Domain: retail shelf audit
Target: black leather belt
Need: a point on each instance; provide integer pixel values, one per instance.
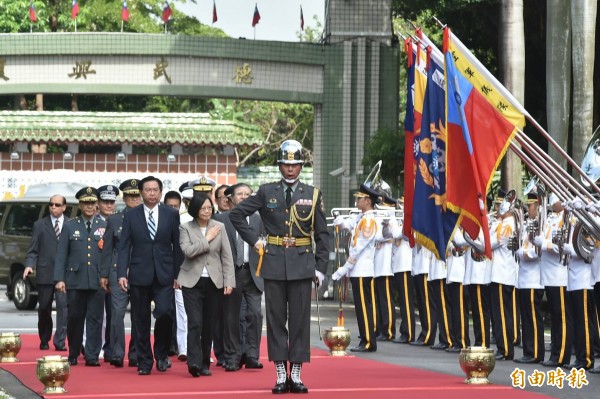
(244, 266)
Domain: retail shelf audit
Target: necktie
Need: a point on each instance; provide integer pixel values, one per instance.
(239, 247)
(151, 225)
(288, 196)
(88, 226)
(56, 228)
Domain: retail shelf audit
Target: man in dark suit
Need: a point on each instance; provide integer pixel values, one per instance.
(40, 258)
(148, 263)
(76, 270)
(293, 216)
(109, 281)
(249, 288)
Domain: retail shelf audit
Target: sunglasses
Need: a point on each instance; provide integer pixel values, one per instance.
(55, 204)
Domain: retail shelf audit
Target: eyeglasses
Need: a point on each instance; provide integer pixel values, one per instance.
(55, 204)
(206, 209)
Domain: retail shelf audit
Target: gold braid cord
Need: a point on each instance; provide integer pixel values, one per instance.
(295, 218)
(367, 230)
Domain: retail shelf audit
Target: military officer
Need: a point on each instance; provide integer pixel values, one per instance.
(76, 270)
(554, 280)
(360, 265)
(457, 295)
(291, 212)
(531, 290)
(109, 281)
(425, 303)
(436, 280)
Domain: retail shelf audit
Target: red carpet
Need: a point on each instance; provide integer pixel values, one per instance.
(326, 377)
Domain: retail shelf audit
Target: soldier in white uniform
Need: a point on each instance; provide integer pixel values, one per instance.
(457, 295)
(359, 266)
(531, 290)
(502, 287)
(554, 280)
(425, 303)
(579, 289)
(402, 261)
(478, 274)
(596, 282)
(437, 284)
(385, 322)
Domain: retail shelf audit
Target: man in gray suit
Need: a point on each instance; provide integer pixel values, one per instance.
(40, 258)
(109, 281)
(293, 215)
(249, 288)
(76, 270)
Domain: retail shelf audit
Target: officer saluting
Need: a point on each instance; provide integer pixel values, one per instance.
(292, 214)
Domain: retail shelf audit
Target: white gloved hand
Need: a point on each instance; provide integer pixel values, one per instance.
(521, 253)
(339, 273)
(338, 220)
(538, 241)
(568, 248)
(320, 277)
(531, 253)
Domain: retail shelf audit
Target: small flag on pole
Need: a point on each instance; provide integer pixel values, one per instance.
(32, 14)
(215, 18)
(125, 12)
(74, 9)
(301, 19)
(256, 17)
(166, 14)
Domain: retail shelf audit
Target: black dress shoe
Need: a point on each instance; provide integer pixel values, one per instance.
(60, 348)
(252, 363)
(575, 365)
(133, 363)
(194, 370)
(526, 359)
(116, 362)
(162, 365)
(453, 349)
(418, 343)
(382, 338)
(242, 360)
(73, 361)
(144, 372)
(550, 363)
(205, 372)
(439, 346)
(362, 348)
(92, 363)
(400, 340)
(220, 363)
(231, 367)
(594, 371)
(500, 356)
(44, 347)
(282, 387)
(298, 387)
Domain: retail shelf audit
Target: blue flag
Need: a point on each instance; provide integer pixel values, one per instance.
(432, 223)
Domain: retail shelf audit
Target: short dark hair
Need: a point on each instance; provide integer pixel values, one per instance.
(172, 195)
(151, 178)
(221, 187)
(196, 203)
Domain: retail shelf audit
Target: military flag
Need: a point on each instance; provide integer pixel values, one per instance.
(481, 123)
(125, 12)
(32, 13)
(301, 19)
(256, 16)
(167, 12)
(409, 133)
(74, 9)
(432, 223)
(215, 18)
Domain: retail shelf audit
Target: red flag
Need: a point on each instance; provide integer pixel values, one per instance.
(74, 9)
(166, 14)
(256, 17)
(32, 14)
(215, 18)
(301, 19)
(481, 122)
(125, 12)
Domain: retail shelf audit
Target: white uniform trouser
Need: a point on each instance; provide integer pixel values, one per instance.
(181, 323)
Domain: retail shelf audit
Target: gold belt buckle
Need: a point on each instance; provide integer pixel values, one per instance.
(288, 242)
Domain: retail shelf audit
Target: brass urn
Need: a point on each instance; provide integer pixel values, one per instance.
(477, 362)
(337, 340)
(53, 372)
(10, 345)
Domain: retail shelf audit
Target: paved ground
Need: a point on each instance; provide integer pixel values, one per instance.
(26, 322)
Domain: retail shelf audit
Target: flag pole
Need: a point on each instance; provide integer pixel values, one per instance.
(121, 26)
(75, 24)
